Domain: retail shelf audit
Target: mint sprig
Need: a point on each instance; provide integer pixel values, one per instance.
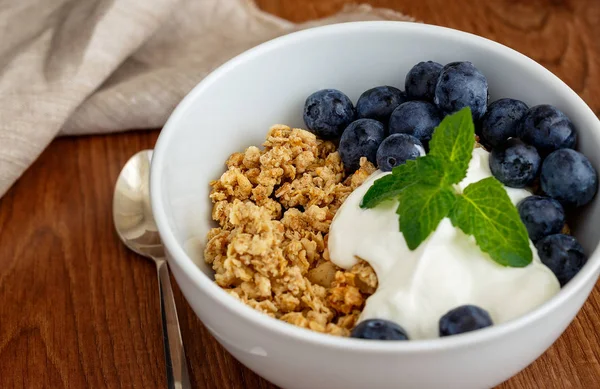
(425, 190)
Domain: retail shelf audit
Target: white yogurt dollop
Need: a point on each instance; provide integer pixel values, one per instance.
(447, 270)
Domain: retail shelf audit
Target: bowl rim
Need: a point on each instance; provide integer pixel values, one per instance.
(236, 307)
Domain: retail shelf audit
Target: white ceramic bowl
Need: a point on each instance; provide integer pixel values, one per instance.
(234, 107)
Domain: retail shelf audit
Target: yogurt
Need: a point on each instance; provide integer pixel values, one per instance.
(416, 288)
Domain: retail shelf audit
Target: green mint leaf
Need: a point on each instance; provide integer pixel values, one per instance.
(452, 142)
(421, 209)
(428, 169)
(390, 186)
(485, 211)
(422, 170)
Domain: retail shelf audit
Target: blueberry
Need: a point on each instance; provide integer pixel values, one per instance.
(548, 129)
(501, 120)
(514, 163)
(416, 118)
(327, 112)
(563, 255)
(464, 319)
(379, 102)
(378, 329)
(360, 139)
(569, 177)
(396, 149)
(461, 85)
(542, 216)
(421, 79)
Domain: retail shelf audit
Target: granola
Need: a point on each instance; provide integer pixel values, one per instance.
(274, 207)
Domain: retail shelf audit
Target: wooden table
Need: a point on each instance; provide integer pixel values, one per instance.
(79, 310)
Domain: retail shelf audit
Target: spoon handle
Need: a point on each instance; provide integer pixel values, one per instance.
(177, 372)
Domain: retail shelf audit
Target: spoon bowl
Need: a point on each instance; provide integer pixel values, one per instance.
(132, 213)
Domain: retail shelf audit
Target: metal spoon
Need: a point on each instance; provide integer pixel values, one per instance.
(135, 225)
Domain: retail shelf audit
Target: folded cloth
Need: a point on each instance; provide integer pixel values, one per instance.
(70, 67)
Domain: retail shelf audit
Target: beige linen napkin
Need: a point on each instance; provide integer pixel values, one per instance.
(97, 66)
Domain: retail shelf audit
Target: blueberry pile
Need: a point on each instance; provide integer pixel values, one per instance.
(389, 126)
(534, 148)
(531, 147)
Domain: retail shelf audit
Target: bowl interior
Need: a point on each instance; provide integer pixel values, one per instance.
(235, 106)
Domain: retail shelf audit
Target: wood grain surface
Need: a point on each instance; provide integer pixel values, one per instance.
(78, 310)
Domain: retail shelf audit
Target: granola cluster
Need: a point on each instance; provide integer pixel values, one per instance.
(274, 207)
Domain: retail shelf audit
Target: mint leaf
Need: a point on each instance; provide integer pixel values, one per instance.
(421, 209)
(452, 142)
(389, 186)
(485, 211)
(429, 170)
(422, 170)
